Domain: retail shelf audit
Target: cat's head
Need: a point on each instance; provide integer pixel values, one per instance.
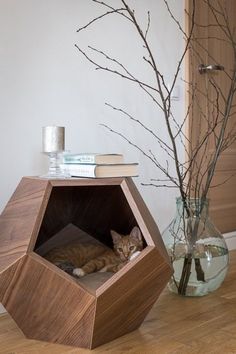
(126, 245)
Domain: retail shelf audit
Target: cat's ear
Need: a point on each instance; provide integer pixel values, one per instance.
(136, 234)
(115, 236)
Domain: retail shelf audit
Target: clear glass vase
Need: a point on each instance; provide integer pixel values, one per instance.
(198, 251)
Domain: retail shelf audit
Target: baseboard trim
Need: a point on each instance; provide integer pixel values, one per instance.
(230, 239)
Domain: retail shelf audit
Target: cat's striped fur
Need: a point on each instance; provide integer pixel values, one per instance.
(84, 258)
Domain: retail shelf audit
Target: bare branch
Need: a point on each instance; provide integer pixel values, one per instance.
(211, 104)
(160, 141)
(150, 157)
(224, 182)
(99, 18)
(158, 185)
(129, 76)
(148, 24)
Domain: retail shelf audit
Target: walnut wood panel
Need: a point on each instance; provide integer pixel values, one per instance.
(47, 303)
(175, 324)
(94, 209)
(122, 307)
(18, 222)
(104, 208)
(144, 217)
(87, 182)
(47, 306)
(117, 276)
(6, 279)
(68, 235)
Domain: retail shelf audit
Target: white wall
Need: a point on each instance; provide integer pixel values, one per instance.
(45, 81)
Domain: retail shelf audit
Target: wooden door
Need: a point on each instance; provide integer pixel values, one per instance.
(211, 47)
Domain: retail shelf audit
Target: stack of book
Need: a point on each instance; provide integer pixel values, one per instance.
(97, 165)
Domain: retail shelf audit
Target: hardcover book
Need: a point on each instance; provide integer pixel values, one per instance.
(93, 158)
(101, 171)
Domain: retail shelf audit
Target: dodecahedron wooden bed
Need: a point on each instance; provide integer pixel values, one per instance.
(47, 303)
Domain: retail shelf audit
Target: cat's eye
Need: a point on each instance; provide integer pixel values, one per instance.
(131, 248)
(120, 249)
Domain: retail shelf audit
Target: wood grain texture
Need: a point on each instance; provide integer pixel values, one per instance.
(48, 306)
(19, 220)
(7, 279)
(144, 218)
(87, 182)
(96, 209)
(175, 325)
(123, 302)
(222, 206)
(221, 196)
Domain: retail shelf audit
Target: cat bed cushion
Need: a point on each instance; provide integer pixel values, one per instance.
(95, 280)
(69, 235)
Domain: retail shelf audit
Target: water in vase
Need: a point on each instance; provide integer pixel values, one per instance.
(213, 260)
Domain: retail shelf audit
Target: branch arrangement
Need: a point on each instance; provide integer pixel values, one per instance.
(192, 177)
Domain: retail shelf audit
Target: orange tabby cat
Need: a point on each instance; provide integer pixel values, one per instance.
(84, 258)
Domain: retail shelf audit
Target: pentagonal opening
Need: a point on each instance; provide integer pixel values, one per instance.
(73, 212)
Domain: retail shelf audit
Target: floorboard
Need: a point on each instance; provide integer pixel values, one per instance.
(175, 325)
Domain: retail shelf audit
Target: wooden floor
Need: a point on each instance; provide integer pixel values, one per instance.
(175, 325)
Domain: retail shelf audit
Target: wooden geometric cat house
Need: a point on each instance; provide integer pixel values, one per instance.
(47, 303)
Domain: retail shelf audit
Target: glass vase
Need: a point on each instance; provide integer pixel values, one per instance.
(198, 251)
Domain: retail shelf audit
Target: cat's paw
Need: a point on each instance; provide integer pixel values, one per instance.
(79, 272)
(134, 255)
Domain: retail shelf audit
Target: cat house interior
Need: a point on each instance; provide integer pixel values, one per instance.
(86, 215)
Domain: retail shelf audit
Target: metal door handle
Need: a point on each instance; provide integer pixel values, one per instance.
(205, 68)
